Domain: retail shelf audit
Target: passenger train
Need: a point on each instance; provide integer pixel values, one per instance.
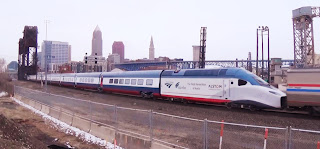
(234, 87)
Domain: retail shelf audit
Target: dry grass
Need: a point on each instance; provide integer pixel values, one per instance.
(6, 83)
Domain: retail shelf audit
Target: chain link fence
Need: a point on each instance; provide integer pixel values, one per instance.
(175, 131)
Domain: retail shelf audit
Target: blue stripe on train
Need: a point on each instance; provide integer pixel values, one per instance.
(67, 83)
(302, 90)
(88, 85)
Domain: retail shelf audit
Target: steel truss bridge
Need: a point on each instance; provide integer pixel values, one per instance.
(247, 64)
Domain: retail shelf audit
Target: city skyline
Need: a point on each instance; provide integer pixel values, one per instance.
(230, 36)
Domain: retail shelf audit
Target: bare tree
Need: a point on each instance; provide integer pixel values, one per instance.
(2, 65)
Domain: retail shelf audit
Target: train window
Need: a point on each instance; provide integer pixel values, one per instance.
(149, 82)
(115, 81)
(140, 81)
(111, 81)
(133, 81)
(127, 81)
(121, 81)
(242, 82)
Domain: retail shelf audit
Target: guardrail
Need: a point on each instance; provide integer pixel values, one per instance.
(170, 130)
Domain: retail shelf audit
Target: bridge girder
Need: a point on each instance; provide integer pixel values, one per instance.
(192, 64)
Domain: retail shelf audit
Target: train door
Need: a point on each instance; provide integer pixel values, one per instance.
(100, 88)
(233, 87)
(226, 89)
(75, 81)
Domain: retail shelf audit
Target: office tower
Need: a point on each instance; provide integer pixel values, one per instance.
(97, 42)
(55, 53)
(118, 48)
(151, 50)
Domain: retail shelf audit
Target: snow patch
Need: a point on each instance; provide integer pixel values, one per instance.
(2, 94)
(70, 129)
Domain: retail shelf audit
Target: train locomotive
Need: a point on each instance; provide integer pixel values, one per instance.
(235, 87)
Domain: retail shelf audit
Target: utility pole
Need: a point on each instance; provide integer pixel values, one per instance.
(257, 62)
(263, 29)
(46, 56)
(262, 71)
(202, 54)
(267, 28)
(46, 22)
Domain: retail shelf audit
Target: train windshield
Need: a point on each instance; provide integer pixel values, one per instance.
(261, 81)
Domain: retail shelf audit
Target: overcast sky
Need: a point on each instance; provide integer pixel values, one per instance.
(174, 24)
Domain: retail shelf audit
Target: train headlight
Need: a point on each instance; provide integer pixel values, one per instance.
(273, 92)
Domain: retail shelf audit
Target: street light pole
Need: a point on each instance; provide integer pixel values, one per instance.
(257, 62)
(268, 57)
(46, 68)
(262, 72)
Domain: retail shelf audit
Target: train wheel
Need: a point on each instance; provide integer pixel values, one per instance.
(314, 111)
(100, 89)
(184, 101)
(150, 96)
(142, 94)
(229, 105)
(252, 108)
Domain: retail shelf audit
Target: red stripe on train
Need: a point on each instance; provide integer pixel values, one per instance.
(305, 85)
(198, 99)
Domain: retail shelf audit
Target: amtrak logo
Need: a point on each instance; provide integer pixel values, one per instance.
(177, 85)
(168, 84)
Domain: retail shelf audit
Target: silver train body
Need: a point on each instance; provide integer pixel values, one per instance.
(234, 87)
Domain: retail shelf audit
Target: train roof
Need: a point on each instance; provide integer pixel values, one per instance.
(221, 72)
(91, 74)
(239, 73)
(133, 74)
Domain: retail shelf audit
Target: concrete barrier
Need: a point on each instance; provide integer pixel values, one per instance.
(31, 103)
(81, 124)
(22, 99)
(17, 96)
(156, 145)
(107, 133)
(54, 113)
(127, 141)
(37, 106)
(45, 109)
(102, 132)
(67, 118)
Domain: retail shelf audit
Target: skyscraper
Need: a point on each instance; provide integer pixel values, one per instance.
(118, 48)
(151, 50)
(55, 53)
(97, 42)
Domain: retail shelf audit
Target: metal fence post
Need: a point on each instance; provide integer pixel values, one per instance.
(150, 122)
(90, 105)
(286, 138)
(115, 117)
(60, 113)
(290, 137)
(205, 135)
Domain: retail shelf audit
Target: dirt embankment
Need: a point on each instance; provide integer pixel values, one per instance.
(20, 128)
